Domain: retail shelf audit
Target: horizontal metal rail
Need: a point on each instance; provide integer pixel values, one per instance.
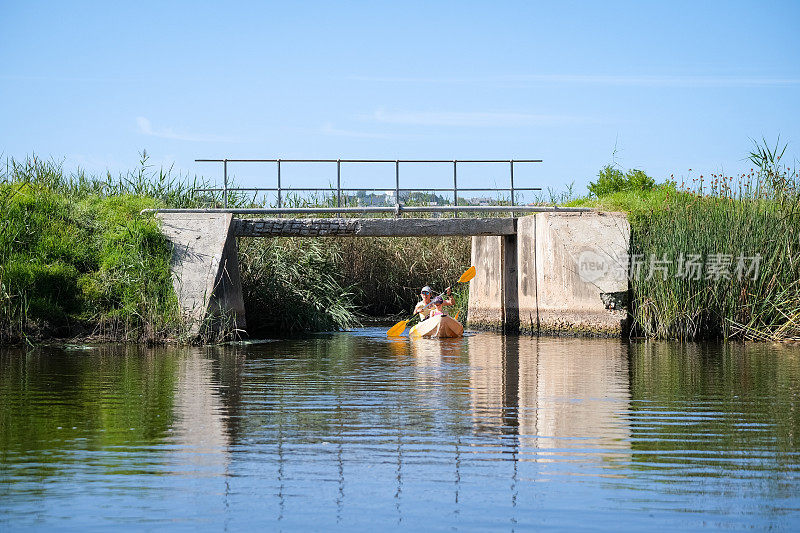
(367, 160)
(377, 209)
(280, 189)
(309, 189)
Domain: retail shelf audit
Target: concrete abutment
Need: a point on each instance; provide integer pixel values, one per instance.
(205, 270)
(570, 271)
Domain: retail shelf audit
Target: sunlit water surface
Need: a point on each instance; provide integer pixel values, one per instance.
(356, 431)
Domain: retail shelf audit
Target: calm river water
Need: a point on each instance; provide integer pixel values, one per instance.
(356, 431)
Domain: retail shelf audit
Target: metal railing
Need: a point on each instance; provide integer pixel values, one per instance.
(455, 189)
(398, 210)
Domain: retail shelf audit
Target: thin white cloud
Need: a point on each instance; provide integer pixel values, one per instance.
(81, 79)
(90, 162)
(598, 79)
(661, 81)
(146, 128)
(412, 79)
(468, 118)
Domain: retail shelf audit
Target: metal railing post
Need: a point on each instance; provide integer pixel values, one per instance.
(455, 185)
(279, 183)
(225, 183)
(512, 181)
(338, 183)
(397, 186)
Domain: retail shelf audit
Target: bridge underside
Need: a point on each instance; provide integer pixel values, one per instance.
(372, 227)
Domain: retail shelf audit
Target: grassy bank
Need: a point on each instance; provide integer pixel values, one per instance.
(77, 259)
(731, 227)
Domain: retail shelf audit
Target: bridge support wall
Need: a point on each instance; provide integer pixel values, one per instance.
(570, 271)
(205, 270)
(493, 291)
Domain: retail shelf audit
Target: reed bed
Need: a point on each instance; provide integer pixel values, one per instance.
(290, 285)
(747, 233)
(735, 302)
(392, 270)
(742, 231)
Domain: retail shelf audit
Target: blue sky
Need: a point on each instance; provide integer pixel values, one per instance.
(673, 85)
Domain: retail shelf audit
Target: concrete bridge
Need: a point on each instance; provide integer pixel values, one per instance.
(552, 271)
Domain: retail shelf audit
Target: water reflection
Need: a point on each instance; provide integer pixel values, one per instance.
(200, 426)
(354, 429)
(552, 393)
(694, 407)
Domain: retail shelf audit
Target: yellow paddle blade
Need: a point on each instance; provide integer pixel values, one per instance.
(468, 275)
(397, 329)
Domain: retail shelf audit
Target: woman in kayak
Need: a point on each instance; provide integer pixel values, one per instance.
(424, 308)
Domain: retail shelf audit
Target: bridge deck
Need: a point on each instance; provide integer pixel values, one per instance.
(372, 227)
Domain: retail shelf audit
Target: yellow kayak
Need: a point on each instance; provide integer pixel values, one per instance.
(440, 326)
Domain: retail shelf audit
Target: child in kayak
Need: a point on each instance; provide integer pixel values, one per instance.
(438, 302)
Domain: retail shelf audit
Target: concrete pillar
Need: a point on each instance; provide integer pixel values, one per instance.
(526, 275)
(485, 289)
(573, 273)
(205, 270)
(493, 291)
(562, 273)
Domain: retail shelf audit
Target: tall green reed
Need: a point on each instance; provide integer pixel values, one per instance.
(755, 219)
(290, 286)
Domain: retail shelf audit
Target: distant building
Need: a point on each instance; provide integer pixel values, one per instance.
(483, 201)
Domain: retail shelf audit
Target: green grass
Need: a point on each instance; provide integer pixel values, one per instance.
(633, 202)
(86, 265)
(77, 258)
